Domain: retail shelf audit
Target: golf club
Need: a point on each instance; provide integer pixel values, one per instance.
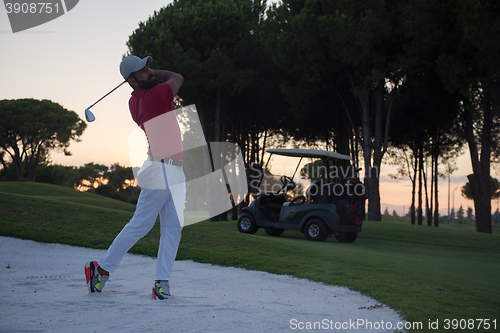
(88, 114)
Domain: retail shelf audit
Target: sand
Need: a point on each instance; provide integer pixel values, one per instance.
(43, 289)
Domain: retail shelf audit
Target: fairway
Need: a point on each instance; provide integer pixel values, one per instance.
(426, 273)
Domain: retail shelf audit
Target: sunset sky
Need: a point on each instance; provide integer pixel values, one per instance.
(74, 60)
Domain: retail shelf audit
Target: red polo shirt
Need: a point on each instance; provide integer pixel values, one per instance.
(152, 110)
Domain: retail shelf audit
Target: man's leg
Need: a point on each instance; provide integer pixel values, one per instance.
(147, 210)
(172, 221)
(169, 240)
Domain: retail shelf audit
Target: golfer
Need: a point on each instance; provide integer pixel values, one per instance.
(161, 177)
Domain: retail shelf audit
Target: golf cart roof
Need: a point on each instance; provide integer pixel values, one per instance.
(311, 153)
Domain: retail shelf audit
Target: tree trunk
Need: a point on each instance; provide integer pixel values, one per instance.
(352, 149)
(218, 130)
(482, 204)
(414, 184)
(234, 213)
(33, 163)
(374, 213)
(374, 198)
(432, 184)
(420, 167)
(428, 213)
(479, 180)
(436, 200)
(255, 146)
(17, 161)
(201, 115)
(5, 167)
(367, 152)
(263, 148)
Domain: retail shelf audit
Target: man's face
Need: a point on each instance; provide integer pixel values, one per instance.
(145, 78)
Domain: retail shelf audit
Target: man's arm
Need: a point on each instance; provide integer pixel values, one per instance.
(173, 79)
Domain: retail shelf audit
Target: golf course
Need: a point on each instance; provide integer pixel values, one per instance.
(449, 274)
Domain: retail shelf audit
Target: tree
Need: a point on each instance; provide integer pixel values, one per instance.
(209, 43)
(470, 214)
(228, 75)
(91, 175)
(470, 67)
(460, 213)
(496, 217)
(58, 175)
(424, 101)
(452, 215)
(318, 96)
(494, 187)
(120, 184)
(433, 134)
(119, 177)
(31, 129)
(347, 48)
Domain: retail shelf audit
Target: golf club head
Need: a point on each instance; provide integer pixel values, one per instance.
(89, 115)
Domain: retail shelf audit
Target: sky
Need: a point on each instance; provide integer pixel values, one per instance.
(74, 60)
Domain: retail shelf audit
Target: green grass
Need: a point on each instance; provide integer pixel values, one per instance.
(426, 273)
(60, 193)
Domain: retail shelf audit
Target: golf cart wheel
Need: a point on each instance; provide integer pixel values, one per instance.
(346, 237)
(246, 224)
(274, 231)
(316, 230)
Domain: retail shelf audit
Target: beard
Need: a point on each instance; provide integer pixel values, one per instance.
(147, 84)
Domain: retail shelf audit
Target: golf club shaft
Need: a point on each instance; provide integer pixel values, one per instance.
(106, 94)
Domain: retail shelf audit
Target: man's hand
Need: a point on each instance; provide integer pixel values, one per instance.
(173, 79)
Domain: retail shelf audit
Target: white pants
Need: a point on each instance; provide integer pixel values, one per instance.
(163, 192)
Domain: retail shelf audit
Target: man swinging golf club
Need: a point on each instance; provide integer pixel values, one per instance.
(161, 177)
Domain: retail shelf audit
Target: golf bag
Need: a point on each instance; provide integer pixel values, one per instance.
(355, 196)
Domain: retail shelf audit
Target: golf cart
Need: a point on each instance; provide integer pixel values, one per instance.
(334, 203)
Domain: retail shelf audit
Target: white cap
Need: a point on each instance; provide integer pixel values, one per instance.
(132, 64)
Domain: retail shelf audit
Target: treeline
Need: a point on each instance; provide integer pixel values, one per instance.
(462, 216)
(115, 181)
(361, 78)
